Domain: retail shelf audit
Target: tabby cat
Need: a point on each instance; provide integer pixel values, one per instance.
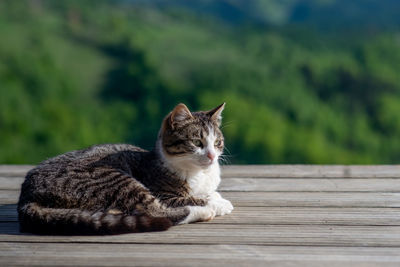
(120, 188)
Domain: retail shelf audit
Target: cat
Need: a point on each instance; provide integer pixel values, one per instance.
(121, 188)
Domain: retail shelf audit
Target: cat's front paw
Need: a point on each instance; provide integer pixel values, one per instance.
(221, 206)
(199, 214)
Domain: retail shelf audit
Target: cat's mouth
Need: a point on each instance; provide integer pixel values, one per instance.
(206, 164)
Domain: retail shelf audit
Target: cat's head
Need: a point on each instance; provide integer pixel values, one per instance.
(191, 140)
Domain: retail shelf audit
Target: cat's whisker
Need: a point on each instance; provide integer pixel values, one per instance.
(226, 124)
(225, 159)
(227, 150)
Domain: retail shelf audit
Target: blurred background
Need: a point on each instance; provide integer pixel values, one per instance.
(305, 81)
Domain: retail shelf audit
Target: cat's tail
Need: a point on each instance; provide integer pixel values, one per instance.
(34, 218)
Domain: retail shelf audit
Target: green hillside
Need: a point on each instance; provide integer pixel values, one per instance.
(76, 73)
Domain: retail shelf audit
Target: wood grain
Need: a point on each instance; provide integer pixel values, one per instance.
(279, 184)
(207, 233)
(314, 199)
(286, 199)
(10, 183)
(9, 196)
(310, 185)
(274, 171)
(285, 216)
(14, 170)
(191, 255)
(312, 171)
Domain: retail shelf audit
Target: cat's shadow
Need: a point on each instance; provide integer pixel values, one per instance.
(9, 224)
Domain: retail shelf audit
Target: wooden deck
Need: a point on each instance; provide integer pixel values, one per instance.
(285, 215)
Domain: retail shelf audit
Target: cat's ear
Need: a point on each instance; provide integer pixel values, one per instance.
(215, 114)
(180, 113)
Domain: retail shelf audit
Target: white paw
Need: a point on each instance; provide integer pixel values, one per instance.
(221, 206)
(199, 214)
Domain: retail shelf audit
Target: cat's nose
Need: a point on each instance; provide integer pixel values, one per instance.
(210, 155)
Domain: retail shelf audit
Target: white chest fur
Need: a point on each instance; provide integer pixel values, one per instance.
(205, 182)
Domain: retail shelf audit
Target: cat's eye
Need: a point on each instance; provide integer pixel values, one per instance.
(198, 143)
(218, 142)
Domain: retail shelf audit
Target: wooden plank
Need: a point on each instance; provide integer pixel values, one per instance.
(279, 184)
(274, 171)
(10, 183)
(311, 216)
(285, 216)
(28, 254)
(14, 170)
(9, 196)
(207, 233)
(313, 199)
(319, 185)
(286, 199)
(312, 171)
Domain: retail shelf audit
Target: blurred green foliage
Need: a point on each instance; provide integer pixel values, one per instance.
(75, 73)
